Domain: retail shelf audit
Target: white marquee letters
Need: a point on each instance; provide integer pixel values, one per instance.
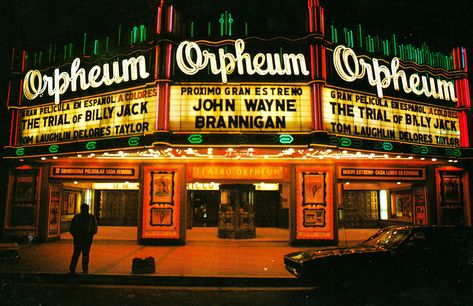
(36, 84)
(350, 67)
(191, 60)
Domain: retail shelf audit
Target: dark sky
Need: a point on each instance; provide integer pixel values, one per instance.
(444, 24)
(441, 23)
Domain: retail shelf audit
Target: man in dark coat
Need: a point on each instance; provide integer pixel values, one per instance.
(83, 228)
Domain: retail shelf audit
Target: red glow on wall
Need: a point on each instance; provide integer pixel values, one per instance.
(465, 137)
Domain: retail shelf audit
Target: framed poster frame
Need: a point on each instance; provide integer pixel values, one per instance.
(314, 188)
(162, 188)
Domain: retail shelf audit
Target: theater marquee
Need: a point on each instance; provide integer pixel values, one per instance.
(116, 114)
(368, 116)
(240, 107)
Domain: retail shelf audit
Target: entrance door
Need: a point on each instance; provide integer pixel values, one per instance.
(236, 212)
(204, 205)
(116, 207)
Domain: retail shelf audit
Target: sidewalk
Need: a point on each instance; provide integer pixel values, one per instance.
(112, 253)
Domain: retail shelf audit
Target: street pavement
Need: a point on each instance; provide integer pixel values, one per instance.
(201, 261)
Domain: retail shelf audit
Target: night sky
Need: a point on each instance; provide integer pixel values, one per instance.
(443, 24)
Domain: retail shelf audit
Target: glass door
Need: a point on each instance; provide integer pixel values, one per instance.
(236, 212)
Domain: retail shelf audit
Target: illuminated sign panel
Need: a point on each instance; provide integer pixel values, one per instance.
(360, 173)
(59, 171)
(240, 107)
(359, 114)
(226, 171)
(116, 114)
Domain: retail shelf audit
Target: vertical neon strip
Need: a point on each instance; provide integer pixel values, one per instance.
(12, 125)
(156, 62)
(311, 22)
(314, 107)
(464, 135)
(318, 103)
(462, 58)
(312, 57)
(463, 85)
(168, 66)
(170, 19)
(168, 60)
(20, 92)
(458, 93)
(159, 19)
(17, 126)
(467, 93)
(322, 21)
(324, 63)
(158, 94)
(8, 93)
(166, 106)
(23, 61)
(466, 59)
(457, 58)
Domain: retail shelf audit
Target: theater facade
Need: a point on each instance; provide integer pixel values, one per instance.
(205, 117)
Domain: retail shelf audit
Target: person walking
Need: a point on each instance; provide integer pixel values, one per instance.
(83, 228)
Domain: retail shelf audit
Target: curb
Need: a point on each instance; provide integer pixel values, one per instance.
(150, 280)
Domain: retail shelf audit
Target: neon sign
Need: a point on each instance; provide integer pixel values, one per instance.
(191, 59)
(351, 67)
(35, 84)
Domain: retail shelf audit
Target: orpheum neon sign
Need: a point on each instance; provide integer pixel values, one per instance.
(350, 67)
(35, 84)
(191, 59)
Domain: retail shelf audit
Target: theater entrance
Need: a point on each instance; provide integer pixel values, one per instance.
(236, 211)
(116, 207)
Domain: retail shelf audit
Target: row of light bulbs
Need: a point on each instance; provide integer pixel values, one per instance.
(250, 152)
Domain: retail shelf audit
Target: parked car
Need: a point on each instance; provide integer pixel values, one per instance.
(400, 254)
